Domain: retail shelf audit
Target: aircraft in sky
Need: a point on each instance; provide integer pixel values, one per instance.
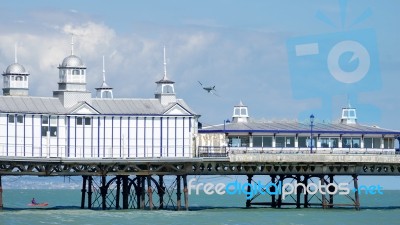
(209, 89)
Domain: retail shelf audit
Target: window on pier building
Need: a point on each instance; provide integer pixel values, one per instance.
(262, 141)
(348, 142)
(372, 142)
(20, 118)
(239, 141)
(388, 143)
(282, 142)
(11, 119)
(81, 120)
(327, 142)
(49, 125)
(305, 142)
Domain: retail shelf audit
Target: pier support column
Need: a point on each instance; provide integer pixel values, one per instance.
(248, 201)
(1, 195)
(83, 191)
(281, 179)
(161, 190)
(138, 191)
(103, 189)
(117, 194)
(150, 192)
(305, 182)
(331, 181)
(90, 192)
(178, 192)
(298, 191)
(272, 190)
(125, 192)
(357, 203)
(142, 192)
(185, 192)
(323, 197)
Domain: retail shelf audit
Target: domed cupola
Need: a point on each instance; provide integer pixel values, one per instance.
(72, 80)
(15, 79)
(72, 61)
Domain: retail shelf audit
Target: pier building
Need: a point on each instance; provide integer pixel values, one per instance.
(73, 124)
(241, 133)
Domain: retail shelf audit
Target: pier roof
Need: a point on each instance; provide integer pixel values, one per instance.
(296, 127)
(51, 105)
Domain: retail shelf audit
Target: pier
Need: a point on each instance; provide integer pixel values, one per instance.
(115, 183)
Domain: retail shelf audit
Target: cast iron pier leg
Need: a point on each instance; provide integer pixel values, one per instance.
(298, 191)
(142, 192)
(357, 203)
(1, 195)
(90, 192)
(150, 192)
(248, 200)
(83, 190)
(272, 190)
(322, 182)
(103, 189)
(178, 192)
(331, 196)
(117, 195)
(185, 192)
(305, 181)
(125, 192)
(161, 190)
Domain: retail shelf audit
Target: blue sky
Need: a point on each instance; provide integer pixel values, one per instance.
(241, 47)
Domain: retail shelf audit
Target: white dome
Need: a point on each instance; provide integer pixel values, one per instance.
(72, 61)
(16, 68)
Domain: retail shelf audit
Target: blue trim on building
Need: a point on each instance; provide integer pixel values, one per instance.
(161, 136)
(7, 123)
(68, 136)
(104, 137)
(91, 136)
(167, 136)
(24, 135)
(75, 133)
(152, 136)
(176, 118)
(137, 122)
(41, 137)
(120, 136)
(58, 134)
(16, 134)
(83, 136)
(98, 136)
(144, 137)
(33, 134)
(112, 136)
(129, 136)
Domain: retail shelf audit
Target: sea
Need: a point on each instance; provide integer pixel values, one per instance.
(64, 208)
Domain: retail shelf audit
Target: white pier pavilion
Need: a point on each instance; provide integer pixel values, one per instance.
(73, 124)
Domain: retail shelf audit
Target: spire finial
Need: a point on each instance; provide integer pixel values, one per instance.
(16, 52)
(104, 72)
(72, 44)
(165, 65)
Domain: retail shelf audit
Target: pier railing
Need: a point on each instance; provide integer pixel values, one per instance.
(223, 151)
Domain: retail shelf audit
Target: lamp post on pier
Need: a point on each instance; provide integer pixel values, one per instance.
(311, 126)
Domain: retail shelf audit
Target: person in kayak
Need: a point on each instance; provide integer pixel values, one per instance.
(34, 201)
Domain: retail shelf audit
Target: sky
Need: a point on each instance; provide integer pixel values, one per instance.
(283, 59)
